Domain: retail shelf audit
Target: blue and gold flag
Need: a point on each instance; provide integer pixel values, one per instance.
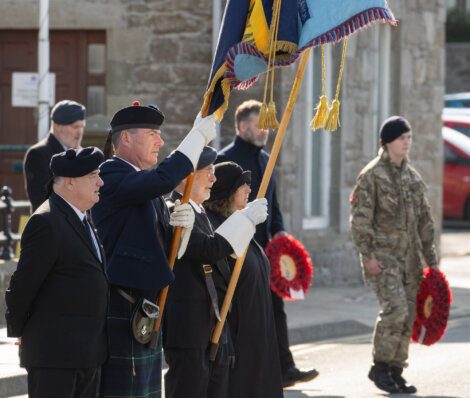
(242, 52)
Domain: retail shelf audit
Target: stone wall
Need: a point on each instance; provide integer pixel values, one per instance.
(421, 89)
(457, 67)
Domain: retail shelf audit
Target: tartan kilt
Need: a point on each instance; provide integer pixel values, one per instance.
(132, 370)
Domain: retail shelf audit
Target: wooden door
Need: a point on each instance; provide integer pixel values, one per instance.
(18, 126)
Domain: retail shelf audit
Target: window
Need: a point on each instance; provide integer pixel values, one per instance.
(317, 148)
(464, 130)
(96, 73)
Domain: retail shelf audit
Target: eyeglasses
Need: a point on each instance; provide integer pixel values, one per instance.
(207, 173)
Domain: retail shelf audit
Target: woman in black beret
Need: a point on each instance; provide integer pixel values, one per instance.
(257, 371)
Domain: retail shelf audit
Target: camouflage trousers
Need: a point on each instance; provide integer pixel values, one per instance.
(396, 292)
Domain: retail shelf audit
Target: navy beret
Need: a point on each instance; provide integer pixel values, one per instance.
(67, 112)
(208, 156)
(230, 176)
(392, 128)
(137, 116)
(76, 162)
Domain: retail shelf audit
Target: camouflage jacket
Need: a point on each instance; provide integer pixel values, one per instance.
(390, 212)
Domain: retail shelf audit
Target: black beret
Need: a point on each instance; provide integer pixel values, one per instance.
(208, 156)
(230, 176)
(76, 162)
(67, 112)
(392, 128)
(137, 116)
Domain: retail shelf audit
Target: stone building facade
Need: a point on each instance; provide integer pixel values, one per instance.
(457, 67)
(159, 51)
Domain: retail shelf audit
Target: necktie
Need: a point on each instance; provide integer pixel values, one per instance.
(89, 232)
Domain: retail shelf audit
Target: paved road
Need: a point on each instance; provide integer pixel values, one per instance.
(439, 371)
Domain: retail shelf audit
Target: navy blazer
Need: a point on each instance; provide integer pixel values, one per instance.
(126, 219)
(255, 159)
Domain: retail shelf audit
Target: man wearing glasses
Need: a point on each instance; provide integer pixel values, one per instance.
(202, 275)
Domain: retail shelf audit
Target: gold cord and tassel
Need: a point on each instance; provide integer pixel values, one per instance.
(267, 116)
(332, 121)
(321, 113)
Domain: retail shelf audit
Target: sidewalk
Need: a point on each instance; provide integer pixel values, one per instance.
(326, 312)
(12, 377)
(331, 312)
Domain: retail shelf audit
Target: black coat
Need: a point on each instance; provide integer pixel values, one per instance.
(189, 319)
(257, 370)
(251, 157)
(36, 168)
(126, 219)
(58, 296)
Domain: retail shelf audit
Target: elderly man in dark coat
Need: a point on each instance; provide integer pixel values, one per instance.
(67, 124)
(133, 223)
(247, 151)
(58, 296)
(201, 279)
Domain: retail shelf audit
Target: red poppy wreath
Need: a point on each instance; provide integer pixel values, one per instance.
(432, 308)
(291, 266)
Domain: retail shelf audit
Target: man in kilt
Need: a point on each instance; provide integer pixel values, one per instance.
(133, 224)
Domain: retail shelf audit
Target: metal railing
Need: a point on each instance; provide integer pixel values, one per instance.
(7, 237)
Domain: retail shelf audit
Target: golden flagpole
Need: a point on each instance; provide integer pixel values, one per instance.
(171, 259)
(261, 193)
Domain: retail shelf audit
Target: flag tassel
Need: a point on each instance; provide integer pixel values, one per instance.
(332, 121)
(267, 116)
(321, 114)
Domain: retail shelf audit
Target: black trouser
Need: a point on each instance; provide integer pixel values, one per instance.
(191, 374)
(63, 383)
(280, 318)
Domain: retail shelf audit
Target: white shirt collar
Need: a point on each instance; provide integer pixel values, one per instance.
(124, 160)
(80, 214)
(196, 207)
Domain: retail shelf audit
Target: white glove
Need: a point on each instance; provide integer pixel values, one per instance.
(240, 227)
(206, 126)
(183, 216)
(256, 211)
(237, 230)
(203, 132)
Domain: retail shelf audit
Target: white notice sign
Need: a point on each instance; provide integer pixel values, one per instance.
(297, 294)
(25, 87)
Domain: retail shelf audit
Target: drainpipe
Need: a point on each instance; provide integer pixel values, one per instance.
(43, 70)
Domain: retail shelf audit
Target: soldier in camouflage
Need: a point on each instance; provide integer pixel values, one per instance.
(392, 227)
